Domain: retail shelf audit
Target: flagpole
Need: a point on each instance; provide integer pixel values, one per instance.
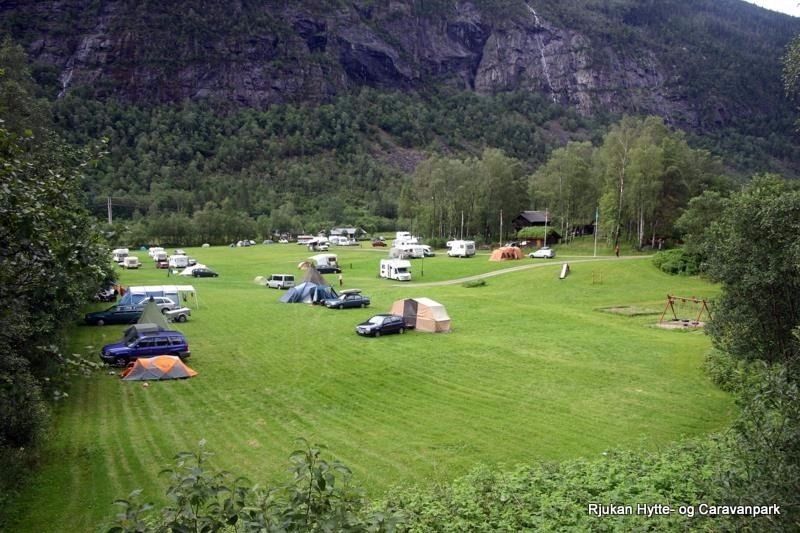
(596, 226)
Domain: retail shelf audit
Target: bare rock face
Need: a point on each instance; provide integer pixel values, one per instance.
(534, 55)
(257, 54)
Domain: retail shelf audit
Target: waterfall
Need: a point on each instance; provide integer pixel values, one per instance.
(545, 66)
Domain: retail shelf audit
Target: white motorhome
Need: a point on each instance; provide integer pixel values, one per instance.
(159, 256)
(461, 249)
(398, 269)
(131, 262)
(118, 255)
(155, 250)
(178, 261)
(403, 238)
(414, 251)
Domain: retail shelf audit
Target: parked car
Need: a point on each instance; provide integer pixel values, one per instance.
(329, 269)
(162, 263)
(280, 281)
(191, 261)
(145, 340)
(116, 314)
(163, 303)
(204, 273)
(382, 324)
(377, 243)
(348, 298)
(545, 252)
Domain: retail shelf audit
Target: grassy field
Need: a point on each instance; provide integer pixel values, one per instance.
(531, 371)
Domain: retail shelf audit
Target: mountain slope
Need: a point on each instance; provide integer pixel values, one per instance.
(701, 64)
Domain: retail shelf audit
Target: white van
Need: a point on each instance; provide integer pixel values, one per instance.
(131, 262)
(398, 269)
(280, 281)
(461, 249)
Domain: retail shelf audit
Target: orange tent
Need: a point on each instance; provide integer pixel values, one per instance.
(158, 367)
(505, 253)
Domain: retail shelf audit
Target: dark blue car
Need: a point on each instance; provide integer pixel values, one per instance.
(145, 340)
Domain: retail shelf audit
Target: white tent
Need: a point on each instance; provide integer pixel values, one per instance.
(134, 295)
(188, 270)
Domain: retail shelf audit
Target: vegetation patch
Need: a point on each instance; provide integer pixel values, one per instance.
(629, 310)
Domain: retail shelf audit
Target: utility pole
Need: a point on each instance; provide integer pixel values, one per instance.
(501, 227)
(596, 227)
(545, 226)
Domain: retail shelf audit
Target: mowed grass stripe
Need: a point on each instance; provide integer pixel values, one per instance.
(532, 371)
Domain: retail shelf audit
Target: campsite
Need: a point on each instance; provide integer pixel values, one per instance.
(531, 370)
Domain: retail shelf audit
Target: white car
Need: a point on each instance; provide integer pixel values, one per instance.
(545, 252)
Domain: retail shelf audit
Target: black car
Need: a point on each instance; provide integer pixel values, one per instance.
(329, 270)
(204, 273)
(117, 314)
(383, 324)
(348, 298)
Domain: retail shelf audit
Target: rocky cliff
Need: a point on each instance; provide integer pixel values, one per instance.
(261, 53)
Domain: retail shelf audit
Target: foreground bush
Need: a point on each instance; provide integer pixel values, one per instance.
(677, 261)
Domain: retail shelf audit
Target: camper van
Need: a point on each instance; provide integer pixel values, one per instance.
(414, 251)
(178, 261)
(325, 263)
(398, 269)
(159, 257)
(403, 238)
(131, 262)
(461, 249)
(118, 255)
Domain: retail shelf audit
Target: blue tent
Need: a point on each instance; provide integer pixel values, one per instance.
(308, 293)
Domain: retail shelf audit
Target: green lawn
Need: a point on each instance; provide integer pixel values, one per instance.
(531, 371)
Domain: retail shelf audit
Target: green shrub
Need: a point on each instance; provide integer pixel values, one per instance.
(474, 283)
(678, 262)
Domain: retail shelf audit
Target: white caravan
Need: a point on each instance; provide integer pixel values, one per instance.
(178, 261)
(398, 269)
(461, 249)
(130, 262)
(118, 255)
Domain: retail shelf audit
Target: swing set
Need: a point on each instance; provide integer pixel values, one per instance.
(683, 303)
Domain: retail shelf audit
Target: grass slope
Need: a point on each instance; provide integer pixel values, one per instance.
(532, 371)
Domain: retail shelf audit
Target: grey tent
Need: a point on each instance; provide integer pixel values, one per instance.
(153, 315)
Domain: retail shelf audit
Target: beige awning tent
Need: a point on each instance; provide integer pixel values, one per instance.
(505, 253)
(424, 313)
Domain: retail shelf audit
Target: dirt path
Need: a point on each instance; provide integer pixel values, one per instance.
(524, 267)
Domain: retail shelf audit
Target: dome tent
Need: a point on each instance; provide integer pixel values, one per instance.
(157, 368)
(505, 253)
(313, 289)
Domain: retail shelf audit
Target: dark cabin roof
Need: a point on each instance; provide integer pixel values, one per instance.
(533, 217)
